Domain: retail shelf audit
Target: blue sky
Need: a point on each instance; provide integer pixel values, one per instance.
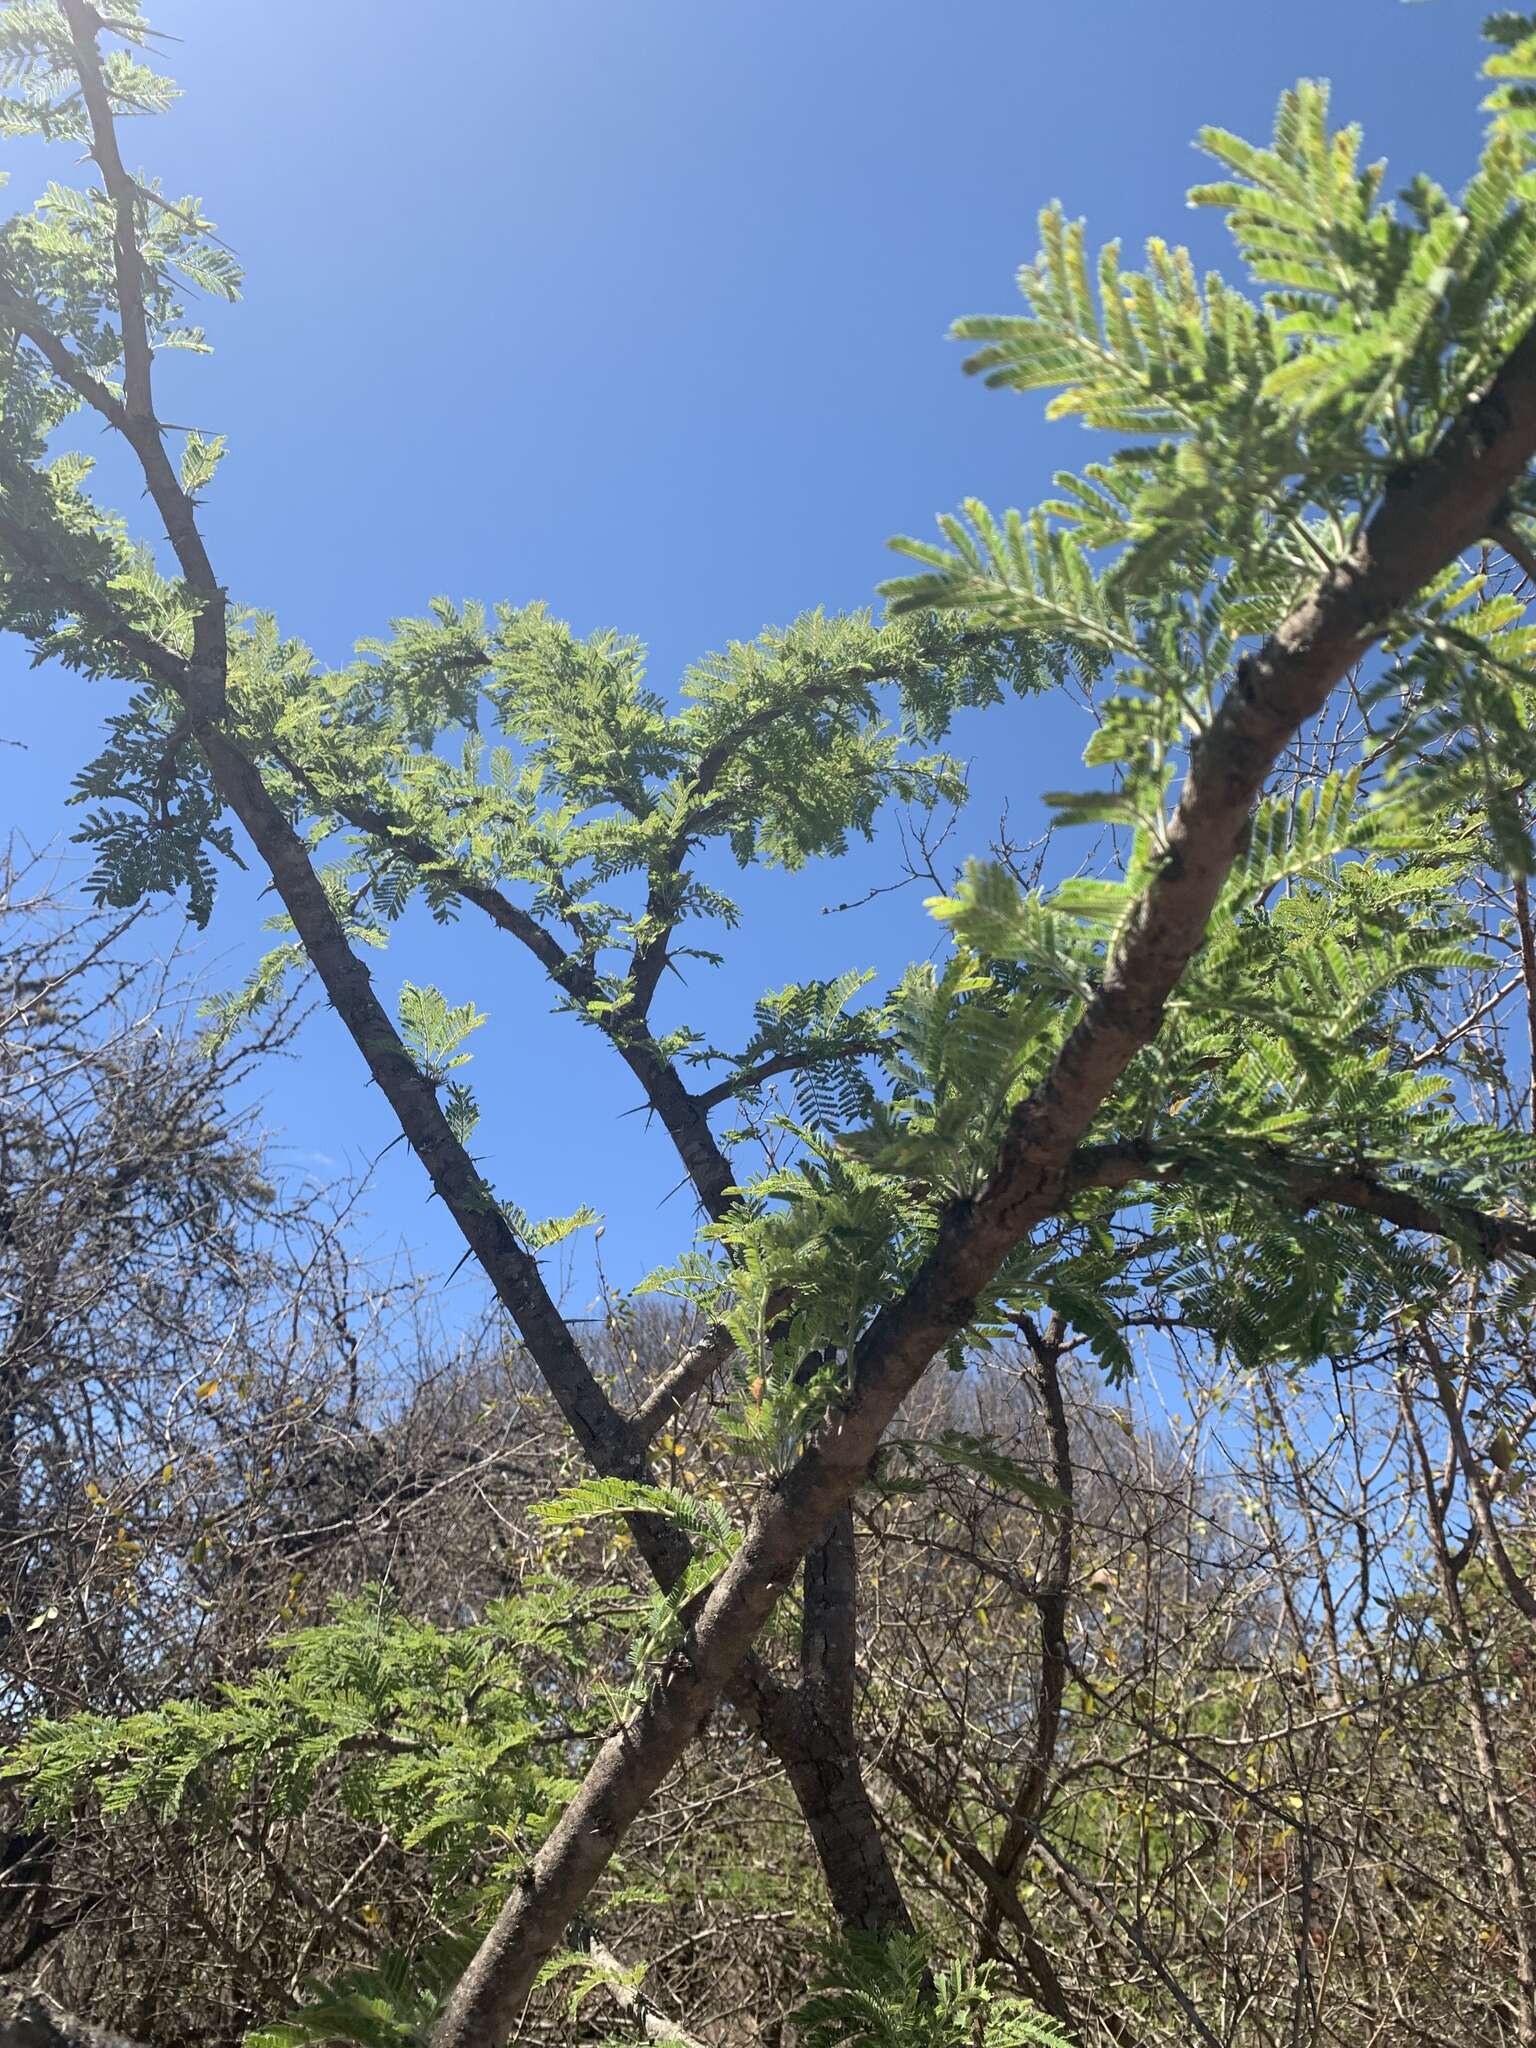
(639, 306)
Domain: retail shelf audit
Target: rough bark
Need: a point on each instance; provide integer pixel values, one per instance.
(820, 1746)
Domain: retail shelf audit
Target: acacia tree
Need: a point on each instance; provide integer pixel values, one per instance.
(1209, 1034)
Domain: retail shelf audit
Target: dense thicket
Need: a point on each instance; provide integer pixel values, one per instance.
(1205, 1743)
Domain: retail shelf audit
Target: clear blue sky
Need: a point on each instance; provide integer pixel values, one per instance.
(638, 306)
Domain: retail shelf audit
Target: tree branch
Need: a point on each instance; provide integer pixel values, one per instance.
(1522, 556)
(87, 602)
(1028, 1803)
(648, 2020)
(138, 424)
(28, 319)
(1485, 1748)
(1002, 1895)
(1424, 522)
(783, 1063)
(692, 1372)
(1312, 1184)
(682, 1115)
(829, 1778)
(1477, 1486)
(698, 816)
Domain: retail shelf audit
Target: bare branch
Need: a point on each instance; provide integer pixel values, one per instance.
(1477, 1485)
(1522, 556)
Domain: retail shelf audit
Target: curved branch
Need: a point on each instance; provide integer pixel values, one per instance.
(87, 602)
(1477, 1486)
(1523, 557)
(784, 1063)
(1312, 1184)
(699, 816)
(648, 2020)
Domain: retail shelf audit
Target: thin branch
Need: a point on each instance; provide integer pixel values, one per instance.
(681, 1115)
(1312, 1184)
(699, 815)
(1442, 1045)
(1002, 1894)
(1501, 1819)
(1527, 931)
(1477, 1485)
(87, 602)
(691, 1374)
(785, 1063)
(128, 263)
(1046, 1347)
(29, 320)
(651, 2023)
(139, 425)
(1522, 556)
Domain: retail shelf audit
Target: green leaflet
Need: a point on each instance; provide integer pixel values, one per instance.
(590, 1498)
(874, 1993)
(370, 1708)
(434, 1030)
(392, 2005)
